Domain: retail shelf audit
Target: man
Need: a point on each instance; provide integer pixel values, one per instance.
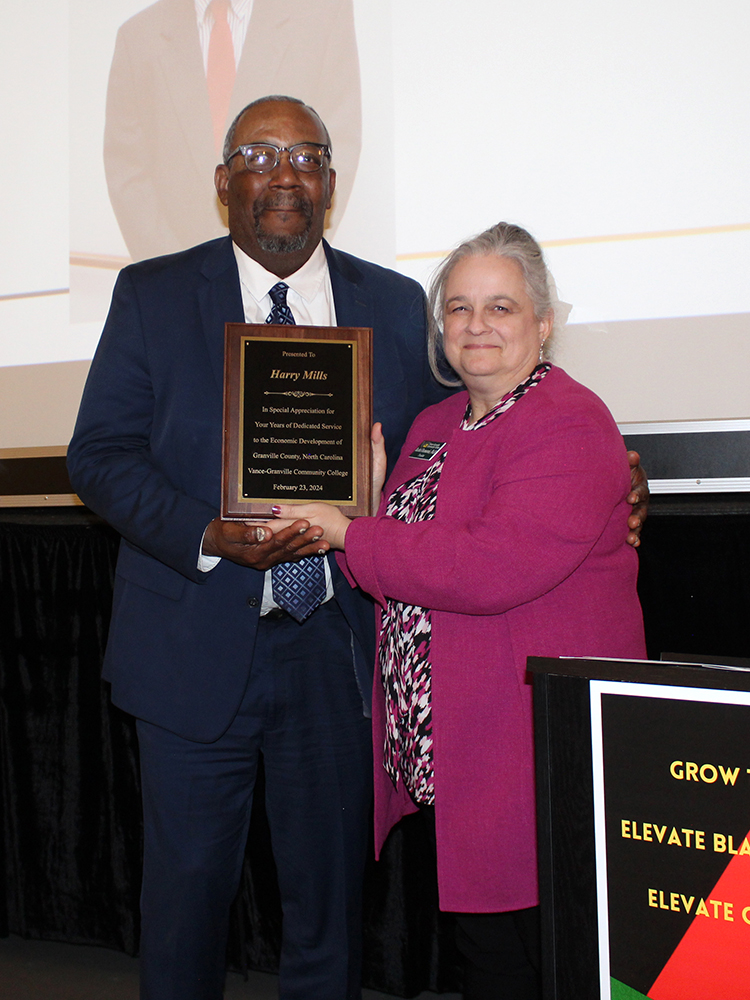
(214, 672)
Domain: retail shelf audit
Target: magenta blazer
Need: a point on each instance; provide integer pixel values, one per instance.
(526, 556)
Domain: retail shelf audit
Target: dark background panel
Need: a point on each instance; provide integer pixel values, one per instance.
(694, 577)
(704, 455)
(34, 476)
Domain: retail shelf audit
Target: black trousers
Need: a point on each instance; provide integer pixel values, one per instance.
(302, 710)
(501, 952)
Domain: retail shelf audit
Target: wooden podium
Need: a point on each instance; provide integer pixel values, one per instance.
(643, 798)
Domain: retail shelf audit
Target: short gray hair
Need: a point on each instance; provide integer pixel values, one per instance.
(502, 240)
(229, 145)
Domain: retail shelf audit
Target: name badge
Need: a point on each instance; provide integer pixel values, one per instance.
(427, 450)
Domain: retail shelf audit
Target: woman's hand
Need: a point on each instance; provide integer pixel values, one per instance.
(334, 524)
(328, 517)
(379, 463)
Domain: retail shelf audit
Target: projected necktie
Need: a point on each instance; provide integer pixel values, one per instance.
(220, 69)
(298, 588)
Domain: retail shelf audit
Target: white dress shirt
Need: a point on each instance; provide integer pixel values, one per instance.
(238, 18)
(310, 297)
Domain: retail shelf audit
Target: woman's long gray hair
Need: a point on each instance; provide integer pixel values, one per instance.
(502, 240)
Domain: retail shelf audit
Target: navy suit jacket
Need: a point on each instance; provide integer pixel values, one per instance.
(146, 456)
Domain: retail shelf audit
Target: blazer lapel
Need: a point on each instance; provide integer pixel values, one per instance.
(220, 302)
(351, 297)
(179, 54)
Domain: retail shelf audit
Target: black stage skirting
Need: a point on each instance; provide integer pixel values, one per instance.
(70, 840)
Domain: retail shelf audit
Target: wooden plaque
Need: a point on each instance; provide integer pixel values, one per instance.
(297, 418)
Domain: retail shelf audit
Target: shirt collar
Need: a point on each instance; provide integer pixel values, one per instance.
(239, 7)
(306, 282)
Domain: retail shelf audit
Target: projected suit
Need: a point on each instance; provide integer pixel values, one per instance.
(158, 111)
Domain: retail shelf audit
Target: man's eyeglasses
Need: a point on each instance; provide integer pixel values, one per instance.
(260, 157)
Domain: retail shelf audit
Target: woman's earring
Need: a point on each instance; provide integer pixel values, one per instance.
(541, 352)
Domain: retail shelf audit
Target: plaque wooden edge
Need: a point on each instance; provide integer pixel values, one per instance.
(233, 506)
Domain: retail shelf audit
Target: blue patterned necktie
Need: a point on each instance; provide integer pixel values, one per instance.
(298, 588)
(280, 313)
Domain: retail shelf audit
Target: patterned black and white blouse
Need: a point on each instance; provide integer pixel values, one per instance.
(406, 630)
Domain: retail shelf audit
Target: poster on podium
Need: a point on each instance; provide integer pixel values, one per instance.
(671, 782)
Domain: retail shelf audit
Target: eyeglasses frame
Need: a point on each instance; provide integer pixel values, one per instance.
(326, 150)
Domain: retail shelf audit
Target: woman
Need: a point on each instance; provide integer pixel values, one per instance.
(476, 562)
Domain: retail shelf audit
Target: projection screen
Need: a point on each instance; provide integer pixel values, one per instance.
(618, 134)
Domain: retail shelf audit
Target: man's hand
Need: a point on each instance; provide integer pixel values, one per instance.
(255, 545)
(638, 497)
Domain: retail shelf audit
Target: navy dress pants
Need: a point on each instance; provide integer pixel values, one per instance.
(303, 711)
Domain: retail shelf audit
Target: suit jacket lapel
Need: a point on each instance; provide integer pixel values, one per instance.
(220, 301)
(351, 297)
(354, 303)
(179, 53)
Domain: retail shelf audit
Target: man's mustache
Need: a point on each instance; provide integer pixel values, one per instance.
(283, 201)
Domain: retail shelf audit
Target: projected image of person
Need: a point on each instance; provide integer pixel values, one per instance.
(181, 71)
(477, 559)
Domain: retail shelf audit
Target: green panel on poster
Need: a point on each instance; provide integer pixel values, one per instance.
(622, 992)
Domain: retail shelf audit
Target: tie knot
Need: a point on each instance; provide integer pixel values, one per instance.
(280, 313)
(219, 9)
(278, 294)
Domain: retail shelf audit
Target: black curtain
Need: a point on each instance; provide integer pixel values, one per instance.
(69, 787)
